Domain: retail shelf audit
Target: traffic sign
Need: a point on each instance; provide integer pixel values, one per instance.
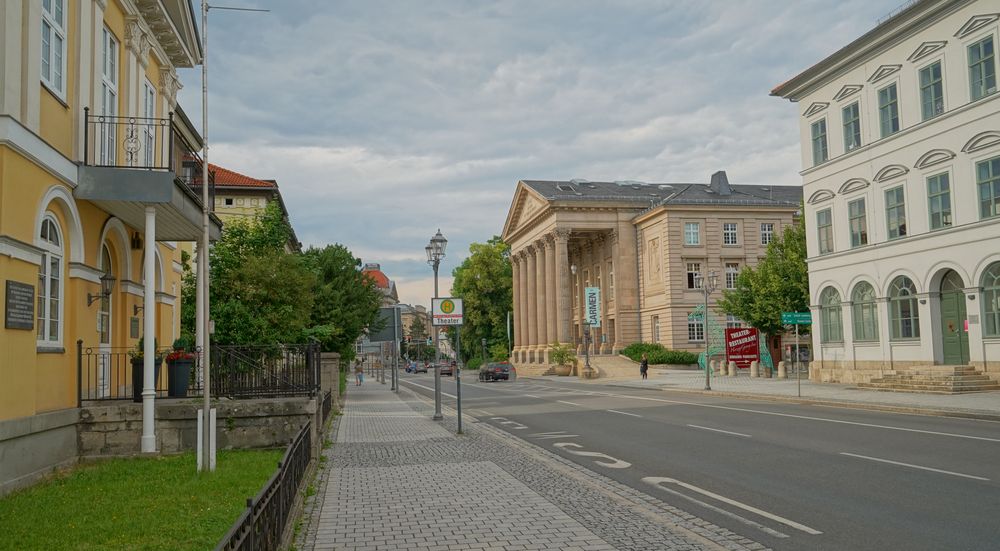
(446, 311)
(796, 318)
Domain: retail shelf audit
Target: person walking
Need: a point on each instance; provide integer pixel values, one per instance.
(359, 373)
(644, 366)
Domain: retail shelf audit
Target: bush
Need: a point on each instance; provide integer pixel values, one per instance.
(658, 355)
(474, 363)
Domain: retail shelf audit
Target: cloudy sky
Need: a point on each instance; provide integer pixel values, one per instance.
(383, 121)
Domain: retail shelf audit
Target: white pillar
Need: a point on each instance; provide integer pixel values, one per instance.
(149, 335)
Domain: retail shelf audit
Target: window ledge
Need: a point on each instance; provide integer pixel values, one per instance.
(58, 97)
(50, 349)
(872, 344)
(905, 342)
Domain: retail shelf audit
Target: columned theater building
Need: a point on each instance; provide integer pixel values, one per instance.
(643, 245)
(900, 134)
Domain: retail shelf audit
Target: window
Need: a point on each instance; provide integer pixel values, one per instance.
(104, 310)
(988, 181)
(732, 272)
(982, 72)
(904, 319)
(895, 212)
(694, 275)
(149, 128)
(830, 313)
(733, 322)
(865, 313)
(939, 200)
(766, 233)
(820, 149)
(576, 290)
(888, 110)
(597, 278)
(696, 327)
(611, 280)
(50, 283)
(991, 300)
(654, 324)
(858, 222)
(852, 127)
(229, 201)
(729, 234)
(931, 91)
(824, 229)
(54, 46)
(692, 233)
(109, 98)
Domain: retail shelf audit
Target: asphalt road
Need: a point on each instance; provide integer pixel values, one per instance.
(789, 476)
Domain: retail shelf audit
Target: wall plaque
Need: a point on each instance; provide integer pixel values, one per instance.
(19, 306)
(133, 328)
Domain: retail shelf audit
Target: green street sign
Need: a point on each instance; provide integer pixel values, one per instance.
(796, 318)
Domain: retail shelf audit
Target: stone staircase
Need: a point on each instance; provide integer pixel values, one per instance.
(933, 379)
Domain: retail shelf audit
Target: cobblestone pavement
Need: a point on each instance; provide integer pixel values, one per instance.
(394, 479)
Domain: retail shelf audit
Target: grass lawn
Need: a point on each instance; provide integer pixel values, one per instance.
(157, 503)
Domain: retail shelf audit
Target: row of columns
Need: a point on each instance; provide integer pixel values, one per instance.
(541, 288)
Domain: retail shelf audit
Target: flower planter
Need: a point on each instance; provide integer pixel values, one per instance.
(562, 370)
(179, 377)
(137, 376)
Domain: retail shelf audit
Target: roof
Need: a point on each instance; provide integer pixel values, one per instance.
(232, 179)
(378, 277)
(651, 194)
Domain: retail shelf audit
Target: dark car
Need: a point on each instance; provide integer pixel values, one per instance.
(494, 372)
(447, 369)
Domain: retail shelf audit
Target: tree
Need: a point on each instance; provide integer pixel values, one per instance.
(778, 284)
(484, 281)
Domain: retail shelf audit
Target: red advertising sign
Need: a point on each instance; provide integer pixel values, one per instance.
(743, 346)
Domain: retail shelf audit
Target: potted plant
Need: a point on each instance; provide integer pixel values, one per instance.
(137, 354)
(562, 356)
(180, 360)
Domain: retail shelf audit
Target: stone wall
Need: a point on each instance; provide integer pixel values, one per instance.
(32, 447)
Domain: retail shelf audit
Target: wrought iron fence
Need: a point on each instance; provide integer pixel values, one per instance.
(261, 525)
(237, 372)
(129, 142)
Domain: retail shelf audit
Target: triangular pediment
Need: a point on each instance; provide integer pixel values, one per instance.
(526, 205)
(934, 157)
(982, 141)
(847, 91)
(975, 23)
(890, 172)
(816, 107)
(883, 71)
(926, 49)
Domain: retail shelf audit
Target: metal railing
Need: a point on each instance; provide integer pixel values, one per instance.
(237, 372)
(262, 523)
(129, 142)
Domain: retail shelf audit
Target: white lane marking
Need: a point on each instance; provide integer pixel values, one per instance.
(486, 412)
(531, 396)
(570, 403)
(427, 388)
(720, 430)
(623, 413)
(744, 520)
(513, 424)
(552, 435)
(656, 481)
(913, 466)
(611, 463)
(807, 417)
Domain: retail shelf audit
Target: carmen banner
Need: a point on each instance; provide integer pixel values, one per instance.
(743, 346)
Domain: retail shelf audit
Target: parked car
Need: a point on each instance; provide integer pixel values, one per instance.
(420, 368)
(495, 372)
(447, 369)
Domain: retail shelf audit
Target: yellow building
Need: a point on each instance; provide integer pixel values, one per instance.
(91, 149)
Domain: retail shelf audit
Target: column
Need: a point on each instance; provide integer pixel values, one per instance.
(542, 339)
(625, 255)
(601, 253)
(515, 266)
(531, 312)
(522, 284)
(564, 287)
(550, 290)
(148, 441)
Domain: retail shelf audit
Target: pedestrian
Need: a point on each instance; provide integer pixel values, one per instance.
(359, 373)
(644, 366)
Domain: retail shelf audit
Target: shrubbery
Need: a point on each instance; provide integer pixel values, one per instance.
(657, 354)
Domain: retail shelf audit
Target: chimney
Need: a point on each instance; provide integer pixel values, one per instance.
(720, 183)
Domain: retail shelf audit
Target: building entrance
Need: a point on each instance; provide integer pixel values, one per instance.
(954, 338)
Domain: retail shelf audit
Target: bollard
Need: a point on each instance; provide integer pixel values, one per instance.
(732, 369)
(765, 372)
(782, 372)
(755, 369)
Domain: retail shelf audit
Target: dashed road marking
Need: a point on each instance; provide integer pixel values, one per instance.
(932, 469)
(570, 403)
(623, 413)
(720, 430)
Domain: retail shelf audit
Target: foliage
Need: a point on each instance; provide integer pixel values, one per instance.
(498, 352)
(657, 354)
(474, 363)
(346, 302)
(138, 352)
(561, 354)
(483, 280)
(156, 503)
(779, 283)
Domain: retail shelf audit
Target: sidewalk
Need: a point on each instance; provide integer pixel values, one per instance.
(394, 479)
(983, 405)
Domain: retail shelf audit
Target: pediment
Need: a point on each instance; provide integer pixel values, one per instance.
(975, 23)
(525, 206)
(847, 91)
(981, 141)
(934, 157)
(816, 107)
(884, 71)
(890, 172)
(854, 184)
(926, 49)
(820, 196)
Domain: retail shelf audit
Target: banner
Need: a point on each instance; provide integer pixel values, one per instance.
(592, 303)
(742, 346)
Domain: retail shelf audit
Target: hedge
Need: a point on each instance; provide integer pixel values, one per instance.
(657, 354)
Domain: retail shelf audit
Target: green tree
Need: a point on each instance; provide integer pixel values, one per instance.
(483, 280)
(779, 283)
(346, 302)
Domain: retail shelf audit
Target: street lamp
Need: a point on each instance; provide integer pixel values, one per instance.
(435, 252)
(708, 287)
(484, 350)
(586, 336)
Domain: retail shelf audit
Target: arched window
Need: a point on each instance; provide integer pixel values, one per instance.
(50, 282)
(865, 313)
(904, 319)
(991, 300)
(104, 312)
(832, 329)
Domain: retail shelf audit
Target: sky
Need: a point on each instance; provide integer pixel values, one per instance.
(383, 121)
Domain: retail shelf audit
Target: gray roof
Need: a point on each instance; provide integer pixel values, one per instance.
(652, 195)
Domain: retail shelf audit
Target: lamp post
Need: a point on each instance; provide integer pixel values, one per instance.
(484, 350)
(435, 252)
(708, 286)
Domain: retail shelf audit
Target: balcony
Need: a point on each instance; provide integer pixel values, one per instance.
(130, 163)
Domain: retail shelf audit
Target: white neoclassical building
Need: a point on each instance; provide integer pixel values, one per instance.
(900, 134)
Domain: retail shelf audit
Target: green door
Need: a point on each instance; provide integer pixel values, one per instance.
(954, 339)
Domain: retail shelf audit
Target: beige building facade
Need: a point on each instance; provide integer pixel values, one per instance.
(640, 244)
